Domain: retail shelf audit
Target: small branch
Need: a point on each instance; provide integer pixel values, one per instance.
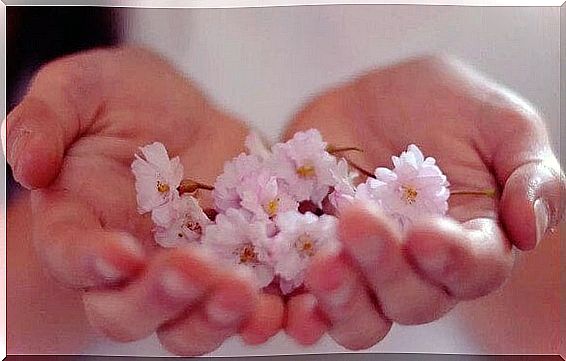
(360, 169)
(191, 186)
(333, 150)
(488, 192)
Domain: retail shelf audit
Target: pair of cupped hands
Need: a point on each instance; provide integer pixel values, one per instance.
(73, 137)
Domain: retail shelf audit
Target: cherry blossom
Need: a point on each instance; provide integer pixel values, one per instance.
(415, 187)
(156, 177)
(237, 240)
(300, 237)
(304, 165)
(184, 224)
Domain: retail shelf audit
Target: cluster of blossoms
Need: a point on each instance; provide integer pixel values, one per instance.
(276, 208)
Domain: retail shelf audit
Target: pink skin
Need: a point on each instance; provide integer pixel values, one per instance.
(71, 142)
(483, 137)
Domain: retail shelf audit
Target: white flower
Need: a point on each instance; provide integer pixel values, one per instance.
(184, 224)
(300, 237)
(236, 239)
(226, 186)
(264, 197)
(304, 165)
(415, 187)
(157, 177)
(344, 189)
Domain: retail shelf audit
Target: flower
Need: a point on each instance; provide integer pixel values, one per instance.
(304, 165)
(415, 187)
(300, 237)
(226, 186)
(343, 187)
(157, 177)
(255, 146)
(264, 197)
(185, 223)
(238, 240)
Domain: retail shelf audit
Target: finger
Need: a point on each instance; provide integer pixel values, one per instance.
(355, 321)
(470, 260)
(371, 240)
(265, 321)
(176, 280)
(204, 329)
(304, 323)
(532, 203)
(526, 169)
(61, 104)
(75, 247)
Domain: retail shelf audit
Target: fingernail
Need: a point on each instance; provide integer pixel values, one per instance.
(541, 219)
(132, 245)
(221, 315)
(17, 143)
(176, 286)
(107, 270)
(340, 296)
(434, 263)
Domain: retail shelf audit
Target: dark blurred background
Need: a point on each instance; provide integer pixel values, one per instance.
(36, 35)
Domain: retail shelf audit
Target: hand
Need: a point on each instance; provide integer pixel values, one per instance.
(483, 137)
(71, 141)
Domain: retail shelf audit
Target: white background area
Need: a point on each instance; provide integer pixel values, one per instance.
(263, 64)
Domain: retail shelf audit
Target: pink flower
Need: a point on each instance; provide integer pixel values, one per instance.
(226, 186)
(184, 223)
(344, 189)
(415, 187)
(157, 177)
(300, 237)
(264, 197)
(255, 146)
(239, 241)
(304, 165)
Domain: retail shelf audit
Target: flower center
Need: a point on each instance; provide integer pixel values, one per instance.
(272, 206)
(305, 245)
(248, 254)
(194, 227)
(409, 194)
(162, 187)
(306, 171)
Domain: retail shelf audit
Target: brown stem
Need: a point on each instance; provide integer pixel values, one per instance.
(333, 150)
(359, 168)
(191, 186)
(488, 192)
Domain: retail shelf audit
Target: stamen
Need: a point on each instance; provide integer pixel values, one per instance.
(162, 187)
(306, 171)
(305, 245)
(194, 227)
(272, 206)
(247, 254)
(409, 194)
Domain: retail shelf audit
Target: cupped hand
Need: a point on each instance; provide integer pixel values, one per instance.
(483, 137)
(71, 141)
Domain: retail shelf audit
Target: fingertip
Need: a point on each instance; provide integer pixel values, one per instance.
(265, 321)
(532, 203)
(37, 161)
(304, 324)
(232, 302)
(119, 258)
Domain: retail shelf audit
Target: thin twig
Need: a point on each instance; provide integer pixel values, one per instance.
(333, 150)
(488, 192)
(359, 168)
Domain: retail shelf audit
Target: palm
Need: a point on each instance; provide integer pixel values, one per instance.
(145, 100)
(424, 104)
